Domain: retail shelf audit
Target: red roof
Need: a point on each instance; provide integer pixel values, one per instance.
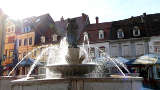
(93, 32)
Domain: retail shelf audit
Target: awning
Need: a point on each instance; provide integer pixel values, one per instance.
(147, 59)
(122, 60)
(28, 62)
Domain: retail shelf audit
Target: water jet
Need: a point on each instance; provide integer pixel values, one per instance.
(70, 68)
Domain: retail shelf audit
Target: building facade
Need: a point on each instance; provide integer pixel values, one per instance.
(2, 33)
(98, 35)
(128, 38)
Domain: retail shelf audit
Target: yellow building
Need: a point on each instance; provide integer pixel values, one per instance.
(25, 45)
(10, 38)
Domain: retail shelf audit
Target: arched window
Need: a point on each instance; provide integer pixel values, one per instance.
(101, 34)
(120, 33)
(136, 31)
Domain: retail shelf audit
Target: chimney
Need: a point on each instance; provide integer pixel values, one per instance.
(144, 14)
(97, 20)
(83, 16)
(62, 19)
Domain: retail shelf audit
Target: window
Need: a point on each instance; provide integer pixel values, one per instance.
(24, 54)
(25, 42)
(139, 49)
(35, 53)
(28, 29)
(92, 52)
(101, 51)
(101, 34)
(30, 41)
(37, 20)
(12, 28)
(11, 39)
(158, 71)
(136, 31)
(114, 51)
(8, 29)
(42, 39)
(125, 50)
(120, 33)
(85, 34)
(11, 53)
(25, 29)
(20, 42)
(54, 37)
(156, 47)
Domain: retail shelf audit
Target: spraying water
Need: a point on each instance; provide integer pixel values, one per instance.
(28, 54)
(57, 56)
(105, 57)
(36, 61)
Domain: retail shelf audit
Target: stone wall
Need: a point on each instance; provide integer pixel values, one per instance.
(5, 83)
(110, 83)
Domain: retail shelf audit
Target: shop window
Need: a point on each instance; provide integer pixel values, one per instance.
(102, 52)
(114, 51)
(125, 50)
(139, 49)
(92, 52)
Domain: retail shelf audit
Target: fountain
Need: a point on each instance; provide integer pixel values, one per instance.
(69, 67)
(74, 66)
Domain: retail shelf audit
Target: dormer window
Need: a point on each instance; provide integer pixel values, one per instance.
(120, 33)
(136, 31)
(101, 34)
(85, 34)
(42, 39)
(37, 20)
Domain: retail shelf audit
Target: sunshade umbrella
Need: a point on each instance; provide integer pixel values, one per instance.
(121, 59)
(148, 59)
(28, 62)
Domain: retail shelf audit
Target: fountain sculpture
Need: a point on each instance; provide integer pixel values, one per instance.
(74, 66)
(72, 75)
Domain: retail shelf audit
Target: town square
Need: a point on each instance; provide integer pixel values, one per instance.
(80, 45)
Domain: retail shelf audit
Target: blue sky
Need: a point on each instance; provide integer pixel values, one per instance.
(106, 10)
